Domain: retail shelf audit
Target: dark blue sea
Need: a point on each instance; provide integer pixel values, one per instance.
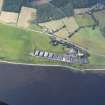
(33, 85)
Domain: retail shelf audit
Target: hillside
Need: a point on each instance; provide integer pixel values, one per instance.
(74, 3)
(15, 5)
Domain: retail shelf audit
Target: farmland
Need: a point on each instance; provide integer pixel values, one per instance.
(97, 60)
(100, 16)
(69, 23)
(9, 17)
(16, 44)
(84, 20)
(87, 37)
(52, 25)
(93, 41)
(29, 14)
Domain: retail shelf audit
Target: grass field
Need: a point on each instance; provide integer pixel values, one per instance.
(16, 44)
(93, 41)
(97, 60)
(84, 20)
(100, 16)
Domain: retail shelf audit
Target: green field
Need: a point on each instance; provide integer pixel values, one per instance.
(94, 42)
(100, 16)
(84, 20)
(16, 44)
(97, 60)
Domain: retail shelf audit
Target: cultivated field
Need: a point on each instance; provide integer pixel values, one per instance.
(9, 17)
(62, 34)
(70, 26)
(52, 25)
(26, 16)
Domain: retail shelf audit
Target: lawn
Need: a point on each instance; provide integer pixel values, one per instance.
(84, 20)
(16, 44)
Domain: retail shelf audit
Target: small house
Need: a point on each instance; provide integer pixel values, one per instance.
(41, 54)
(37, 53)
(46, 54)
(51, 55)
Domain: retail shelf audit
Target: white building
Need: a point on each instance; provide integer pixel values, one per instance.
(46, 54)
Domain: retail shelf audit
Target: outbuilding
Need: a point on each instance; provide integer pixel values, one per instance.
(41, 54)
(51, 55)
(37, 52)
(46, 54)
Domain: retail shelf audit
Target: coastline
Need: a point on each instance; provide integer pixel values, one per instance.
(42, 65)
(48, 65)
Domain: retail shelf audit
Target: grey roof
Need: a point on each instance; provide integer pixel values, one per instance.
(37, 52)
(46, 54)
(60, 57)
(41, 54)
(55, 57)
(51, 55)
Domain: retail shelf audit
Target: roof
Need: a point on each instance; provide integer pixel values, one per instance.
(37, 52)
(46, 54)
(51, 55)
(41, 54)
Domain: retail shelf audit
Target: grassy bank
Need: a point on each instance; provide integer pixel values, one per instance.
(16, 44)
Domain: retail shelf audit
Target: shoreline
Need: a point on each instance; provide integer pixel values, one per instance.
(48, 65)
(42, 65)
